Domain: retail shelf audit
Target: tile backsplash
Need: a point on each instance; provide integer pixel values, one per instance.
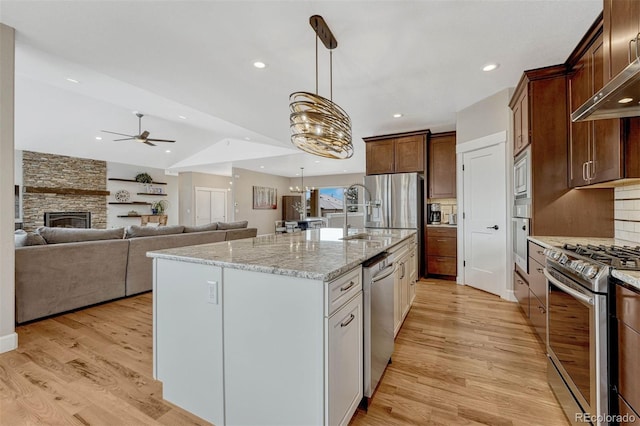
(627, 212)
(447, 206)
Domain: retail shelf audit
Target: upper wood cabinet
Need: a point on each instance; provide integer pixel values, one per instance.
(521, 122)
(621, 27)
(398, 153)
(595, 146)
(442, 165)
(556, 210)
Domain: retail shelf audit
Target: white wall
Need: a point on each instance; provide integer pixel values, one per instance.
(243, 183)
(188, 181)
(8, 336)
(329, 181)
(127, 171)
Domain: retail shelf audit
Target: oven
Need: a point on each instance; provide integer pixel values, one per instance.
(577, 341)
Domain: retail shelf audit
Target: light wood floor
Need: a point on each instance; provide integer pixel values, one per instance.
(462, 357)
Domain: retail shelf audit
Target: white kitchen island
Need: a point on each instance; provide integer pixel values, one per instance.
(265, 330)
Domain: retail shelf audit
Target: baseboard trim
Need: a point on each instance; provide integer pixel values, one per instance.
(8, 342)
(509, 295)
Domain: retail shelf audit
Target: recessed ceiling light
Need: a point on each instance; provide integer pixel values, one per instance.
(182, 117)
(262, 167)
(317, 161)
(344, 171)
(72, 80)
(297, 174)
(625, 100)
(259, 64)
(98, 138)
(247, 138)
(397, 115)
(490, 67)
(230, 182)
(168, 151)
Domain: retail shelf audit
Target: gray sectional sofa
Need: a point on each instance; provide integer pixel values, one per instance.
(70, 269)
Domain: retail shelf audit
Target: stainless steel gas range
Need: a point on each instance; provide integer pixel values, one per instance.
(577, 313)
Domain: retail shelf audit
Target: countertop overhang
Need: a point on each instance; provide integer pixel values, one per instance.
(318, 254)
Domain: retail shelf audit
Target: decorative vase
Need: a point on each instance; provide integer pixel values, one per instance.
(154, 211)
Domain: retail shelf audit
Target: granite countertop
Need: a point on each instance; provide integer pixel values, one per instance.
(442, 225)
(631, 278)
(318, 254)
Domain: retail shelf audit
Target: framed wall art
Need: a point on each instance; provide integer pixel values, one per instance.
(265, 198)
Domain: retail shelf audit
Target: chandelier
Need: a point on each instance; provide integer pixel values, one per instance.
(318, 125)
(301, 189)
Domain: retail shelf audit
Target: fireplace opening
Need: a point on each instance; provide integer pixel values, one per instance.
(67, 219)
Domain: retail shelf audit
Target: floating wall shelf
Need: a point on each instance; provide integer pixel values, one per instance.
(135, 181)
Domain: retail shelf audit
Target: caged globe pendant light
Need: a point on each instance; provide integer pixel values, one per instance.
(318, 125)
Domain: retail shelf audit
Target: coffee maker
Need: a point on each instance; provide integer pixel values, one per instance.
(434, 214)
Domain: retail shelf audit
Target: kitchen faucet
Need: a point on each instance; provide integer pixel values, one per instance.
(345, 230)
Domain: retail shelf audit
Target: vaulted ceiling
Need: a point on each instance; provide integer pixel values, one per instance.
(195, 59)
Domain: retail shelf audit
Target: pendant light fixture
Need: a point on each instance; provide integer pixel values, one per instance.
(318, 125)
(301, 189)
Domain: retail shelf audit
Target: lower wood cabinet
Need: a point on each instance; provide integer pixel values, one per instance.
(628, 324)
(521, 291)
(530, 289)
(442, 249)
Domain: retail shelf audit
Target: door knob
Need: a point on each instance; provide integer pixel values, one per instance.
(496, 227)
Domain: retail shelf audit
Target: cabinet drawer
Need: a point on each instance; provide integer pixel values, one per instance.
(627, 413)
(628, 307)
(441, 231)
(538, 316)
(441, 246)
(536, 253)
(342, 289)
(537, 280)
(441, 265)
(521, 291)
(629, 368)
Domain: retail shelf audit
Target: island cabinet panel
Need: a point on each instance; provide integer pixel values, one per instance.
(187, 329)
(442, 165)
(621, 26)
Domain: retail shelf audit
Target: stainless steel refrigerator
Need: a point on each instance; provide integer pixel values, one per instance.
(398, 201)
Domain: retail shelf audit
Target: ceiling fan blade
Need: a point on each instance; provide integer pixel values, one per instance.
(161, 140)
(125, 139)
(144, 135)
(116, 133)
(149, 143)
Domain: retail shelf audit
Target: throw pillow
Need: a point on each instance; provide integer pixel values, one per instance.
(201, 228)
(233, 225)
(147, 231)
(24, 239)
(74, 235)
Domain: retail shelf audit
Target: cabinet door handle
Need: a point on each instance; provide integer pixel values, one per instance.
(540, 252)
(633, 40)
(542, 310)
(347, 322)
(539, 270)
(442, 241)
(351, 284)
(584, 171)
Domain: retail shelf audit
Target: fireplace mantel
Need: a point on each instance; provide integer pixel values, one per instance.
(65, 191)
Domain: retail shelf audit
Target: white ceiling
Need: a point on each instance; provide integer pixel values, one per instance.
(423, 59)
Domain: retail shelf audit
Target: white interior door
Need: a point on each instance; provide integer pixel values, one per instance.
(211, 205)
(485, 216)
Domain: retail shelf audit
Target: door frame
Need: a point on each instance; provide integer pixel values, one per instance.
(502, 139)
(209, 189)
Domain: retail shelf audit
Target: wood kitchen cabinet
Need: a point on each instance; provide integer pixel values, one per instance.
(442, 165)
(397, 153)
(627, 307)
(596, 147)
(521, 122)
(555, 209)
(621, 26)
(442, 249)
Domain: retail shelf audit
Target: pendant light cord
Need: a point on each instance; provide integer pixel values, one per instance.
(316, 64)
(331, 75)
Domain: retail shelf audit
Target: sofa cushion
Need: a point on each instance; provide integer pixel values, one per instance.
(201, 228)
(23, 238)
(76, 235)
(134, 231)
(233, 225)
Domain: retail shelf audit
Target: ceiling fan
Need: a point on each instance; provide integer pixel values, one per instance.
(141, 136)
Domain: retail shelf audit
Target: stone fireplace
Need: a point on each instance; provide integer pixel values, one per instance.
(61, 184)
(67, 219)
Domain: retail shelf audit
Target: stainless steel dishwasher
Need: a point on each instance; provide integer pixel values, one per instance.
(378, 281)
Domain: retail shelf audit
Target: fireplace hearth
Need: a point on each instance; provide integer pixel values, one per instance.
(67, 219)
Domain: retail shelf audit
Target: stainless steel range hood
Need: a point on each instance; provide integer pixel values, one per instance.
(619, 98)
